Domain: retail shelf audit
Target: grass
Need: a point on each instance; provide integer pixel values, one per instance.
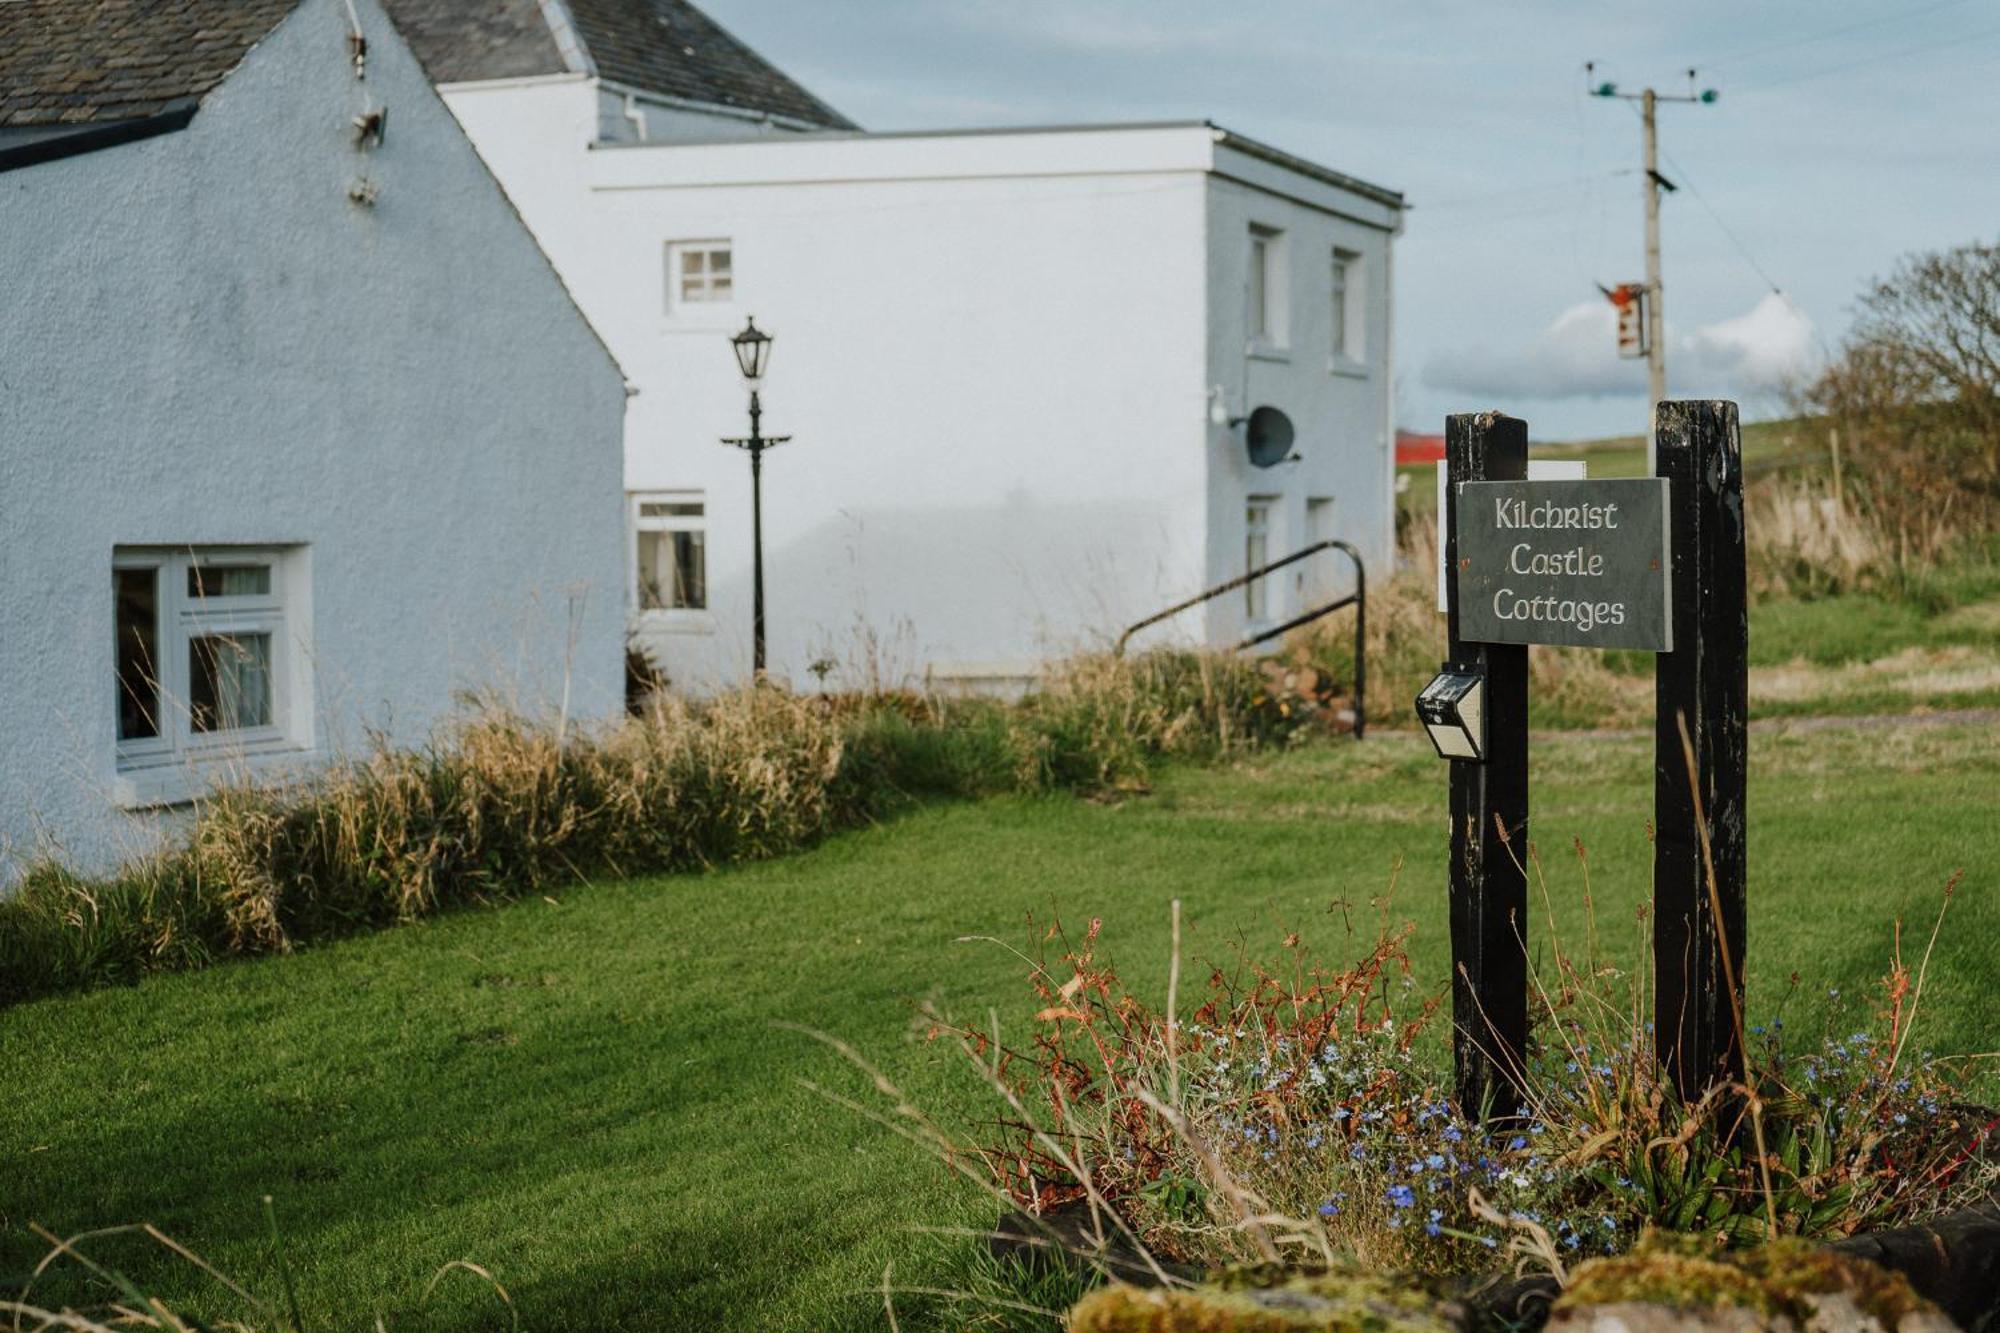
(1885, 637)
(587, 1094)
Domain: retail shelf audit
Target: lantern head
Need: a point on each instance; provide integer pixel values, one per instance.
(753, 351)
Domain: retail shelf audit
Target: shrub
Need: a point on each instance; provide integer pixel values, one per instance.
(499, 806)
(1574, 687)
(1290, 1114)
(1915, 393)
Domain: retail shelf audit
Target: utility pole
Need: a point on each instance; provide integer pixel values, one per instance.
(1653, 182)
(1656, 348)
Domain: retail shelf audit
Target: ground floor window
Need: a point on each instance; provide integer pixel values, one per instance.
(204, 649)
(1257, 552)
(670, 558)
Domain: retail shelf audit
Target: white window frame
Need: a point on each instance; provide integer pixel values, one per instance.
(180, 618)
(1348, 310)
(1267, 314)
(676, 270)
(1315, 577)
(1259, 526)
(689, 619)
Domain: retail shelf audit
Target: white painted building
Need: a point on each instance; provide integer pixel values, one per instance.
(300, 434)
(1009, 359)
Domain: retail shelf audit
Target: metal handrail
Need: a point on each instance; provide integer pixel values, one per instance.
(1358, 599)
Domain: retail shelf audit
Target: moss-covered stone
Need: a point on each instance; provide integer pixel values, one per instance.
(1672, 1278)
(1258, 1301)
(1799, 1270)
(1788, 1283)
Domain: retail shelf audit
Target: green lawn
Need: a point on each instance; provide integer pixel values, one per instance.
(589, 1096)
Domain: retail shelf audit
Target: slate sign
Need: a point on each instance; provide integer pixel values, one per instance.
(1583, 563)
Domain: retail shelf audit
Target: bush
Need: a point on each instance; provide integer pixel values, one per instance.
(1915, 394)
(1288, 1113)
(499, 806)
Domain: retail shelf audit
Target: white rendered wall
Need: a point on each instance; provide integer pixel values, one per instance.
(996, 352)
(1341, 410)
(996, 383)
(203, 341)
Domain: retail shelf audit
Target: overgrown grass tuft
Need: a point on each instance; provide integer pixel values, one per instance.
(502, 806)
(1286, 1112)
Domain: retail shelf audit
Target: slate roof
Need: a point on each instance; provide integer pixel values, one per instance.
(656, 46)
(669, 46)
(93, 62)
(463, 41)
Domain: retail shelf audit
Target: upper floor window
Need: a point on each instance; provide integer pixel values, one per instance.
(671, 555)
(699, 273)
(1266, 308)
(1350, 308)
(204, 650)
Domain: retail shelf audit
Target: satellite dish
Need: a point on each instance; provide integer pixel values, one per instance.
(1269, 437)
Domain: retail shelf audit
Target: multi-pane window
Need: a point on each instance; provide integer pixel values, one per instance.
(1256, 552)
(1266, 297)
(1313, 579)
(671, 531)
(699, 273)
(202, 650)
(1350, 308)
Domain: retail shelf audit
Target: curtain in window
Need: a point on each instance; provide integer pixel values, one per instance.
(230, 682)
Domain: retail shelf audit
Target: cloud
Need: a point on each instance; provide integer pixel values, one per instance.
(1755, 353)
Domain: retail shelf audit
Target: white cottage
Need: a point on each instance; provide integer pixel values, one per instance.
(1015, 363)
(300, 433)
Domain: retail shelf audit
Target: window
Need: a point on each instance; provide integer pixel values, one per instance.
(1267, 315)
(1256, 553)
(671, 560)
(204, 645)
(699, 273)
(1350, 309)
(1316, 579)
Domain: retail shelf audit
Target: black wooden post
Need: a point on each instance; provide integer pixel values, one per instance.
(1698, 953)
(1489, 883)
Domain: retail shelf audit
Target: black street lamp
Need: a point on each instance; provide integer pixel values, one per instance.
(753, 353)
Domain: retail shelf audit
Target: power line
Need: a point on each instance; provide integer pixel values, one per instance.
(1843, 30)
(1681, 173)
(1470, 200)
(1961, 40)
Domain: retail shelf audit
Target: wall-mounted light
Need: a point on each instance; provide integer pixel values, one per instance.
(1453, 710)
(371, 127)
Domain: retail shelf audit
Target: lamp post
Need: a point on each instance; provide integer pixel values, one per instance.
(753, 353)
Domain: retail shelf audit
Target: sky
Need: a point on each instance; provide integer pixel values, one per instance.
(1846, 135)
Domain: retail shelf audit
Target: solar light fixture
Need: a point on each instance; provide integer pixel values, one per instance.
(1453, 710)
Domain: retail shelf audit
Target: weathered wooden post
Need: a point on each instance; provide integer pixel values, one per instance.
(1489, 883)
(1703, 685)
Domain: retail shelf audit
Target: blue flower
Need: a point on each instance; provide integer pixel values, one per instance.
(1402, 1196)
(1431, 1227)
(1435, 1161)
(1516, 1143)
(1329, 1208)
(1452, 1134)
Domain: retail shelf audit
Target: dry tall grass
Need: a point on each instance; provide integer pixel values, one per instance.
(1406, 643)
(499, 806)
